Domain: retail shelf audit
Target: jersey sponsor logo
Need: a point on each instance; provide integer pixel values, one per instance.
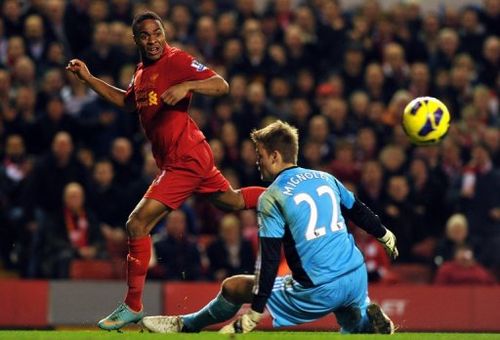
(199, 67)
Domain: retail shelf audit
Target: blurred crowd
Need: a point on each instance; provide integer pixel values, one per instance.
(72, 167)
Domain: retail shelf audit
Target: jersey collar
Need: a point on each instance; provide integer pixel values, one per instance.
(285, 169)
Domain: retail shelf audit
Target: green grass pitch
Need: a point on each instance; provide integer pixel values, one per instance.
(55, 335)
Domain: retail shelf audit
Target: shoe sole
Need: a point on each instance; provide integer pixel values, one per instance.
(379, 320)
(118, 327)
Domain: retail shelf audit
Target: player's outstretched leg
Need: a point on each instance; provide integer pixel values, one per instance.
(235, 291)
(217, 310)
(380, 322)
(120, 317)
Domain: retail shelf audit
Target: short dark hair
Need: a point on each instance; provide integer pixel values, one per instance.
(145, 16)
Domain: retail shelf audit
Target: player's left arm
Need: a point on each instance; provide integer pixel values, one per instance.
(213, 86)
(193, 77)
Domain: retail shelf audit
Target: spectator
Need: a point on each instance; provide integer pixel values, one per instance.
(366, 144)
(472, 33)
(103, 58)
(319, 133)
(72, 233)
(248, 172)
(230, 141)
(24, 72)
(230, 253)
(427, 194)
(375, 83)
(15, 168)
(336, 110)
(52, 85)
(54, 120)
(106, 197)
(15, 50)
(126, 171)
(396, 69)
(447, 49)
(481, 204)
(174, 255)
(12, 13)
(37, 42)
(206, 40)
(26, 115)
(398, 213)
(371, 186)
(255, 108)
(488, 73)
(344, 166)
(182, 20)
(463, 269)
(51, 173)
(456, 235)
(393, 159)
(353, 69)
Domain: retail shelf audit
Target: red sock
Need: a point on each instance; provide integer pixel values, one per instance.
(251, 196)
(139, 253)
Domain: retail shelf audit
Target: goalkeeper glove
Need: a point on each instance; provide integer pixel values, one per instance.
(389, 243)
(244, 324)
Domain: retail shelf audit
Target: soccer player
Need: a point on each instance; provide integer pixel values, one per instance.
(303, 210)
(160, 92)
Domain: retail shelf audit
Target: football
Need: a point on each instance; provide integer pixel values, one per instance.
(425, 120)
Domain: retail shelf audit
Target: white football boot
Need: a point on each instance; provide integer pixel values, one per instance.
(163, 323)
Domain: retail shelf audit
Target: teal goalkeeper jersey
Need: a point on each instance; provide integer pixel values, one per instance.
(303, 207)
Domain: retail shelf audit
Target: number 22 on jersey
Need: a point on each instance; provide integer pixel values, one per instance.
(313, 231)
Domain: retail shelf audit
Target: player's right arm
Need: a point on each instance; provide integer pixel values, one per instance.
(366, 219)
(112, 94)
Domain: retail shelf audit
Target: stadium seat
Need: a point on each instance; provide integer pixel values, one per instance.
(94, 270)
(413, 273)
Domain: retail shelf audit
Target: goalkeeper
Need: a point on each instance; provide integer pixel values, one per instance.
(302, 210)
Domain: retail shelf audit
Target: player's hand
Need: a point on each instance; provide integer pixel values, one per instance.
(244, 324)
(389, 243)
(175, 93)
(79, 69)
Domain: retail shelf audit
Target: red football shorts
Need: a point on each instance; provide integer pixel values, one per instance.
(194, 173)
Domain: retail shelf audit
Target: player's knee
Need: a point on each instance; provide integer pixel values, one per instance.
(136, 227)
(237, 289)
(228, 287)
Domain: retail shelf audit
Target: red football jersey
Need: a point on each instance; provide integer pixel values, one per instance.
(170, 129)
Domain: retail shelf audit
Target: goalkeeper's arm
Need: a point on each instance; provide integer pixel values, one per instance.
(367, 220)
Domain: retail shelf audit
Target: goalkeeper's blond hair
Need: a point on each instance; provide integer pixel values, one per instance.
(279, 136)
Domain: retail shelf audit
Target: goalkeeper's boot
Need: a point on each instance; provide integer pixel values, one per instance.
(163, 324)
(380, 322)
(120, 317)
